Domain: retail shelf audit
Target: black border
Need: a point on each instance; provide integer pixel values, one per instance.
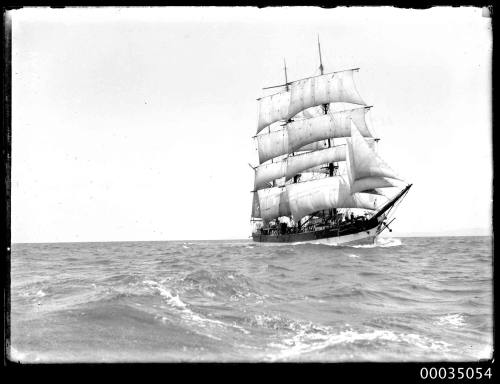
(404, 372)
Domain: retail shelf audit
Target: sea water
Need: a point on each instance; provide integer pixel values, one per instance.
(407, 299)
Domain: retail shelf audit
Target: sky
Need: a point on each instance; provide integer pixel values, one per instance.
(136, 123)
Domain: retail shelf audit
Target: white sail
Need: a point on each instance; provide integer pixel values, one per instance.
(331, 125)
(322, 144)
(310, 112)
(317, 145)
(306, 93)
(284, 207)
(273, 203)
(368, 183)
(293, 165)
(313, 174)
(271, 145)
(330, 192)
(255, 205)
(323, 169)
(298, 163)
(365, 168)
(267, 172)
(378, 191)
(299, 133)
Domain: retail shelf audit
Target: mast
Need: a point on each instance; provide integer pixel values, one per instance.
(320, 61)
(286, 77)
(287, 87)
(322, 72)
(331, 166)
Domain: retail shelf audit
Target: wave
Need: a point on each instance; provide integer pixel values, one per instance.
(238, 244)
(455, 320)
(220, 284)
(381, 242)
(310, 338)
(305, 343)
(278, 267)
(300, 338)
(32, 294)
(256, 302)
(173, 300)
(187, 314)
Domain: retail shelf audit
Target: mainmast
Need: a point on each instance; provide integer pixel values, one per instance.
(322, 72)
(331, 166)
(289, 120)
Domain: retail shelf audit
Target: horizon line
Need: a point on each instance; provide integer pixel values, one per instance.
(406, 235)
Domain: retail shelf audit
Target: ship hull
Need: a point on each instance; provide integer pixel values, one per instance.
(333, 236)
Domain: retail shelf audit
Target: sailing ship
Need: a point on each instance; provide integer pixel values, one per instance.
(320, 178)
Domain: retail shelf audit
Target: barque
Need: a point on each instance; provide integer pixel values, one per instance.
(320, 178)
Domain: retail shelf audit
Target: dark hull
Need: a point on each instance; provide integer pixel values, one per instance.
(360, 232)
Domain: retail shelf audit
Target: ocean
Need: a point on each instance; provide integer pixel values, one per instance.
(399, 300)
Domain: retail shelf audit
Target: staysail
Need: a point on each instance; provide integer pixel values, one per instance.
(365, 168)
(299, 133)
(306, 93)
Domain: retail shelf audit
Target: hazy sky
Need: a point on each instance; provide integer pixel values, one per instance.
(136, 124)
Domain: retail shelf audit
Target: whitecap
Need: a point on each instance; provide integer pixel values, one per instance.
(455, 320)
(382, 242)
(311, 338)
(385, 242)
(171, 299)
(208, 293)
(186, 313)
